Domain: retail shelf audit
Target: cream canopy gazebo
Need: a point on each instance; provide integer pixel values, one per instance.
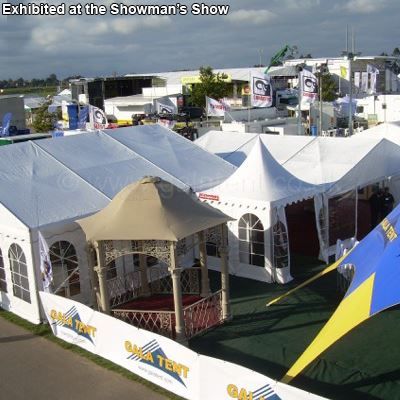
(149, 218)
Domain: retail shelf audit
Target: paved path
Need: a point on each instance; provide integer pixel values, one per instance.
(35, 368)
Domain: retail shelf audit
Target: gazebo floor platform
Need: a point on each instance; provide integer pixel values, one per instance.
(156, 313)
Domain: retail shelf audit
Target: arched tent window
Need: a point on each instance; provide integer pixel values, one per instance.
(3, 282)
(19, 273)
(251, 240)
(64, 261)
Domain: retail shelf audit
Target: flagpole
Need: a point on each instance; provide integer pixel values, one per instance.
(250, 97)
(206, 112)
(299, 100)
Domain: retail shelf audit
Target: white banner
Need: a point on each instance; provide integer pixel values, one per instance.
(46, 268)
(357, 79)
(158, 359)
(308, 87)
(164, 105)
(261, 90)
(98, 119)
(364, 81)
(216, 108)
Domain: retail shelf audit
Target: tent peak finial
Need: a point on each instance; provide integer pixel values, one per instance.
(150, 179)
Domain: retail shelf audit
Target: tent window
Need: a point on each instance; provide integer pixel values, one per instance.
(251, 240)
(19, 273)
(65, 269)
(3, 282)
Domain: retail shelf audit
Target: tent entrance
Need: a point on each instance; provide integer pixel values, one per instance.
(303, 237)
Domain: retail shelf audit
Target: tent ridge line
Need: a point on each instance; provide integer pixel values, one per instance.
(145, 159)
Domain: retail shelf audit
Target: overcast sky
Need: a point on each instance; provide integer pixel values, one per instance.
(36, 46)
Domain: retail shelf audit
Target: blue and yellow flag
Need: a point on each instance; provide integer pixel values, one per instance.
(374, 288)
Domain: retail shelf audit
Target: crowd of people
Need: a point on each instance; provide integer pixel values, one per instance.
(381, 203)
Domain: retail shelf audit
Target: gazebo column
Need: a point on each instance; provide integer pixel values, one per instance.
(177, 291)
(223, 250)
(143, 275)
(101, 270)
(205, 282)
(94, 287)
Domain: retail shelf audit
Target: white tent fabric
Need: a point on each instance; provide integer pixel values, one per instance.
(54, 180)
(262, 178)
(234, 147)
(381, 162)
(325, 160)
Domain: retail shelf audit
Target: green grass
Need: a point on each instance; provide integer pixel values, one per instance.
(46, 332)
(363, 365)
(40, 91)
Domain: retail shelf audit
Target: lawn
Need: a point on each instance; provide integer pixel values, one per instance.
(362, 365)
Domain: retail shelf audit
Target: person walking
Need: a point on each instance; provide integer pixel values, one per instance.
(387, 202)
(375, 203)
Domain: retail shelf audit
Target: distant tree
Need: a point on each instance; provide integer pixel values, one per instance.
(396, 52)
(211, 85)
(52, 80)
(384, 54)
(328, 87)
(44, 121)
(308, 55)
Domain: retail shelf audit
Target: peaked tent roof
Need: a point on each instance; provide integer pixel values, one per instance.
(234, 147)
(326, 159)
(62, 179)
(262, 178)
(380, 162)
(151, 209)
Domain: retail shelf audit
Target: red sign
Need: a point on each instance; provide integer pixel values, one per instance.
(206, 196)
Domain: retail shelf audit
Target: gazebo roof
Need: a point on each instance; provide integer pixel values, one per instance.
(151, 209)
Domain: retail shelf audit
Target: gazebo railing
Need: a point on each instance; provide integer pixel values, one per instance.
(199, 317)
(162, 322)
(203, 315)
(190, 282)
(123, 289)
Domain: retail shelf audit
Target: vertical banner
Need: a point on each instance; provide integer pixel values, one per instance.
(98, 119)
(46, 268)
(83, 116)
(308, 87)
(261, 90)
(6, 124)
(364, 82)
(357, 79)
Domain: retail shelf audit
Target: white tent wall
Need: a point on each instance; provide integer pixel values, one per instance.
(75, 237)
(13, 232)
(237, 209)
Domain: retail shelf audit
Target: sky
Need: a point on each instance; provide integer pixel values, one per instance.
(35, 46)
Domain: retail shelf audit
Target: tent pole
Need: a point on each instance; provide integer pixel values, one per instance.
(101, 270)
(177, 292)
(205, 283)
(226, 312)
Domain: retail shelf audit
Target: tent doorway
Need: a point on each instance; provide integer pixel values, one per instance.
(303, 237)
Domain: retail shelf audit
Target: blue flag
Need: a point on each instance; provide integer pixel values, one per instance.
(83, 116)
(6, 124)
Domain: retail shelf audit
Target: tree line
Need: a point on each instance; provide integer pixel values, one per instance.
(51, 80)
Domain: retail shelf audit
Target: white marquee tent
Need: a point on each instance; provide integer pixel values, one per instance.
(341, 165)
(256, 196)
(46, 185)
